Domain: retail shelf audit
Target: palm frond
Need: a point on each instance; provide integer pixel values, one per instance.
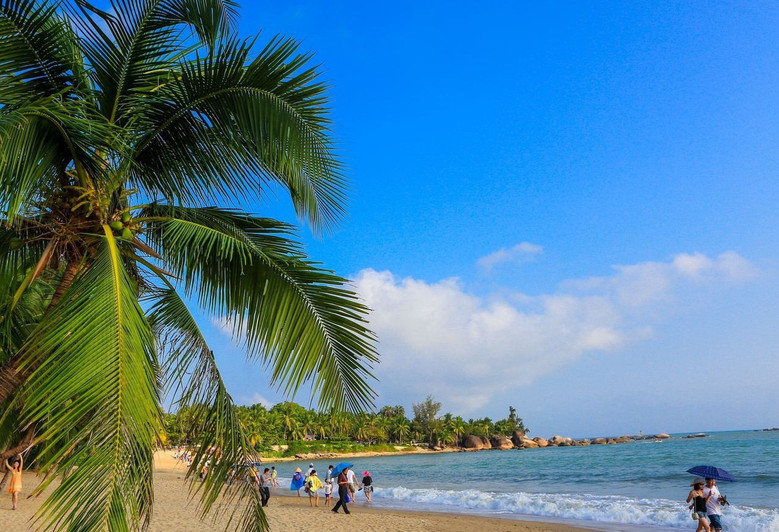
(196, 382)
(301, 320)
(133, 47)
(226, 129)
(38, 55)
(29, 157)
(102, 435)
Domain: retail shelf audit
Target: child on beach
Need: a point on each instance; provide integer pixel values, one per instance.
(328, 492)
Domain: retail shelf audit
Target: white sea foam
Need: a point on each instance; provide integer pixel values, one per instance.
(659, 513)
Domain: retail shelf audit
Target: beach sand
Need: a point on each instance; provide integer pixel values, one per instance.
(174, 512)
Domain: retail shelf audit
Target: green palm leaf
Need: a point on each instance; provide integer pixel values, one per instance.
(221, 125)
(300, 319)
(97, 333)
(195, 380)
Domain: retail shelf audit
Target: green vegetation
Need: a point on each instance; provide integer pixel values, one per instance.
(308, 431)
(126, 136)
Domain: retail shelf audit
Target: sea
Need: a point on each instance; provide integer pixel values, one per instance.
(640, 485)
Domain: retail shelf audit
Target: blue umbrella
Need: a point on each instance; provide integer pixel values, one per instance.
(707, 471)
(340, 467)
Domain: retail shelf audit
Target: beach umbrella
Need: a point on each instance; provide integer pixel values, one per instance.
(707, 471)
(340, 467)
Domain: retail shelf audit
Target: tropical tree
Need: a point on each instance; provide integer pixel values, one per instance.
(125, 136)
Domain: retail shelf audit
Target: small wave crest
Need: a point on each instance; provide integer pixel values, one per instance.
(660, 513)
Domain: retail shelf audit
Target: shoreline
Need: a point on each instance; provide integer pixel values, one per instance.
(175, 511)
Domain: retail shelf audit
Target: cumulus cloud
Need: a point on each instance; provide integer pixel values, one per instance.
(521, 253)
(255, 399)
(465, 349)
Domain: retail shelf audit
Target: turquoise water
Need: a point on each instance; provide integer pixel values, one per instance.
(632, 486)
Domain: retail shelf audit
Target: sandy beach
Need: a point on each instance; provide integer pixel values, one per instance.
(173, 512)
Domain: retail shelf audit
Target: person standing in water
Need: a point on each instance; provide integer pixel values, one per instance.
(16, 479)
(698, 505)
(713, 504)
(367, 485)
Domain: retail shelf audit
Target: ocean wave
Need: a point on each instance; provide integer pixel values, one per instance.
(654, 513)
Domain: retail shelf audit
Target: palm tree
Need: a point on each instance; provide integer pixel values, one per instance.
(124, 136)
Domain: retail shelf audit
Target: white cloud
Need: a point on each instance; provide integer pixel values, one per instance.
(255, 399)
(435, 338)
(521, 253)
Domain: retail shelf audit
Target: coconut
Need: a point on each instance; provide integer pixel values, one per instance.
(15, 243)
(126, 217)
(127, 234)
(116, 225)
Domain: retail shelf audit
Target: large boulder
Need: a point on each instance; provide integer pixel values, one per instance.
(560, 441)
(662, 436)
(527, 443)
(623, 439)
(473, 442)
(485, 441)
(541, 442)
(499, 441)
(598, 441)
(517, 437)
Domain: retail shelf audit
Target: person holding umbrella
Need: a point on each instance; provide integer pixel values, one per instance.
(714, 499)
(713, 504)
(343, 491)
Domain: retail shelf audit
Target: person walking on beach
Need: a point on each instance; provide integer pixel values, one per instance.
(329, 474)
(310, 469)
(713, 504)
(274, 482)
(297, 481)
(343, 491)
(313, 485)
(16, 479)
(698, 505)
(265, 487)
(367, 485)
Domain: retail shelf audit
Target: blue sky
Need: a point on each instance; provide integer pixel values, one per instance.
(570, 209)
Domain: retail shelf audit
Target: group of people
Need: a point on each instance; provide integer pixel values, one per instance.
(706, 504)
(345, 482)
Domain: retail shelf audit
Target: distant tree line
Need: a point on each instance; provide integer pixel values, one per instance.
(289, 422)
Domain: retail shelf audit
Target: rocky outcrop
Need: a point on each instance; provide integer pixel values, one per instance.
(662, 436)
(473, 443)
(622, 439)
(517, 437)
(598, 441)
(485, 441)
(499, 441)
(560, 441)
(541, 442)
(527, 443)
